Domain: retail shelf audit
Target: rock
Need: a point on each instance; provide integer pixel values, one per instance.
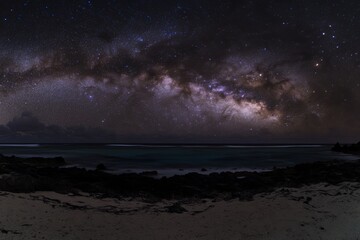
(33, 162)
(44, 162)
(18, 183)
(203, 169)
(353, 148)
(17, 175)
(149, 173)
(336, 147)
(308, 199)
(176, 208)
(101, 167)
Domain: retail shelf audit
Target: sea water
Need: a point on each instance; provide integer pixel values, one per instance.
(178, 159)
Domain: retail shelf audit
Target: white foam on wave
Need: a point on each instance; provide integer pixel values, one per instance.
(214, 146)
(19, 145)
(273, 146)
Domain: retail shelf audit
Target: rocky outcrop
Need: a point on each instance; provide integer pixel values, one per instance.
(28, 175)
(353, 148)
(35, 161)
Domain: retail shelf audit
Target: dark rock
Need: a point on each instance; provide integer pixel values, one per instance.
(33, 162)
(101, 167)
(5, 231)
(352, 149)
(17, 175)
(336, 147)
(176, 208)
(308, 199)
(203, 169)
(149, 173)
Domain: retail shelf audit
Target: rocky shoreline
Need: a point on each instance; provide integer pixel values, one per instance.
(352, 148)
(46, 174)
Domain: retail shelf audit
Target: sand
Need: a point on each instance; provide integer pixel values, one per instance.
(313, 212)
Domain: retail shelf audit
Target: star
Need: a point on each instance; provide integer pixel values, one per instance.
(182, 69)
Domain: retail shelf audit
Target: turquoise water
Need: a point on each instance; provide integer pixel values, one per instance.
(179, 159)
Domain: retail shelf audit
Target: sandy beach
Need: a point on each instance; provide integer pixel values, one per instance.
(320, 211)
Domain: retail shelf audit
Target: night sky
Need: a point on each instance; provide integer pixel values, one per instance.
(180, 71)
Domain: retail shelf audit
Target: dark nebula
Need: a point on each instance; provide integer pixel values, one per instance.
(179, 71)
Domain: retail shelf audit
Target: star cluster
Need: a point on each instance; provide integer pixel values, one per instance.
(221, 71)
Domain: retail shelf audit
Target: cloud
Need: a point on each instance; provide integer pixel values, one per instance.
(28, 128)
(25, 123)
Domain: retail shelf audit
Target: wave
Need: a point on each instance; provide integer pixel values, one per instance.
(19, 145)
(273, 146)
(214, 146)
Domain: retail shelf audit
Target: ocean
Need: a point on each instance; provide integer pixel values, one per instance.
(178, 159)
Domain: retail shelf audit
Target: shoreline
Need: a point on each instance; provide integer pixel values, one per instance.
(166, 162)
(48, 174)
(41, 200)
(170, 172)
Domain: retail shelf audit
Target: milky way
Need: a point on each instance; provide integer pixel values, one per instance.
(193, 71)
